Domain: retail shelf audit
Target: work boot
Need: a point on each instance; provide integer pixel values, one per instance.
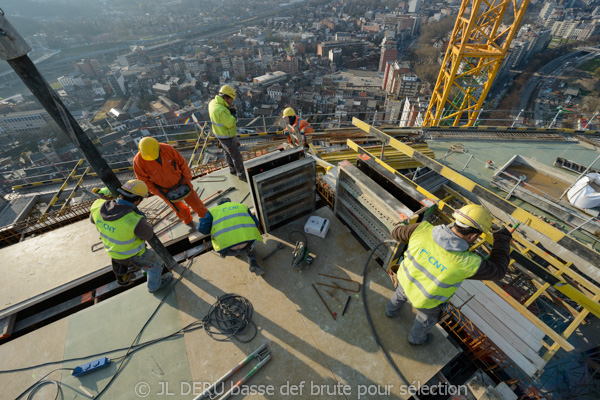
(219, 254)
(233, 172)
(428, 339)
(256, 269)
(192, 227)
(164, 281)
(242, 178)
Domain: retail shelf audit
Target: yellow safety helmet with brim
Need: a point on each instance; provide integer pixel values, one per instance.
(134, 187)
(228, 90)
(289, 112)
(149, 148)
(474, 216)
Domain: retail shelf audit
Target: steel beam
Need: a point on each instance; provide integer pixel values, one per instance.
(566, 247)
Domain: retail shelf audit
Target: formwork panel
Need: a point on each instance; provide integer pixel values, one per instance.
(285, 192)
(368, 209)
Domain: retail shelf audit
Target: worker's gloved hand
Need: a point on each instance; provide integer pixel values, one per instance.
(502, 232)
(233, 111)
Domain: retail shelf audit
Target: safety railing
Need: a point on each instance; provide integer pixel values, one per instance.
(475, 166)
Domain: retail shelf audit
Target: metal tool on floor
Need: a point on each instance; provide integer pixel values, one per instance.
(301, 254)
(346, 306)
(324, 303)
(279, 247)
(262, 354)
(335, 286)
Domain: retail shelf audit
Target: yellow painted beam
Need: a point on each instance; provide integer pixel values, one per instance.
(62, 187)
(519, 307)
(558, 339)
(517, 214)
(568, 332)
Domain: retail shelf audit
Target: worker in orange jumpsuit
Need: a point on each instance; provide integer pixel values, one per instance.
(168, 176)
(300, 126)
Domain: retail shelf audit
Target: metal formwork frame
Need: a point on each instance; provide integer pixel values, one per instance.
(567, 248)
(286, 192)
(477, 47)
(588, 299)
(369, 210)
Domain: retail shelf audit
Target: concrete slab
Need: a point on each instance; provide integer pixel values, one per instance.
(334, 358)
(312, 355)
(50, 263)
(61, 259)
(41, 346)
(114, 323)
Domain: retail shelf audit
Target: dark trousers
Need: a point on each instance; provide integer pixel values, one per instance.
(425, 320)
(233, 155)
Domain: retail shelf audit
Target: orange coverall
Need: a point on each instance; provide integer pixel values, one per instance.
(299, 125)
(167, 174)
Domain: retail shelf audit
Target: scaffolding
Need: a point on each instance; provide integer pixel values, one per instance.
(573, 295)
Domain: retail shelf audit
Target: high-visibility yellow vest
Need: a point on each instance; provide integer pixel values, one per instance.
(232, 225)
(221, 118)
(117, 236)
(429, 274)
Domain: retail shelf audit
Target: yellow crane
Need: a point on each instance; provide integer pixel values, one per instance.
(478, 44)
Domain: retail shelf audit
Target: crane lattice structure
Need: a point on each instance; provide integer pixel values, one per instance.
(478, 44)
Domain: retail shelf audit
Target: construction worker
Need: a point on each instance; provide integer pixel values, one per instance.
(168, 176)
(436, 262)
(123, 231)
(234, 231)
(223, 117)
(585, 193)
(103, 193)
(300, 127)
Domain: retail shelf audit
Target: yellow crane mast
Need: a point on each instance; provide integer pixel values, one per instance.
(478, 45)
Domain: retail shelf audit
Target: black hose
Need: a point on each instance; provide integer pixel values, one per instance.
(364, 295)
(230, 316)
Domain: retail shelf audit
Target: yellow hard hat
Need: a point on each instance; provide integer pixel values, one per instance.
(228, 90)
(475, 216)
(149, 148)
(135, 187)
(95, 190)
(289, 112)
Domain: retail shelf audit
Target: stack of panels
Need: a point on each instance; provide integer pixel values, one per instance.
(367, 208)
(286, 192)
(510, 331)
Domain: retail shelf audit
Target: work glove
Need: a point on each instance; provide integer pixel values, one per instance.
(233, 111)
(502, 232)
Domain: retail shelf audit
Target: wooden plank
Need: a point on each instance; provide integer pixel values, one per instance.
(505, 312)
(531, 317)
(526, 365)
(515, 338)
(459, 297)
(503, 323)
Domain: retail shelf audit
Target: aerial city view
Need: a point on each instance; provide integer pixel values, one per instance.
(203, 199)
